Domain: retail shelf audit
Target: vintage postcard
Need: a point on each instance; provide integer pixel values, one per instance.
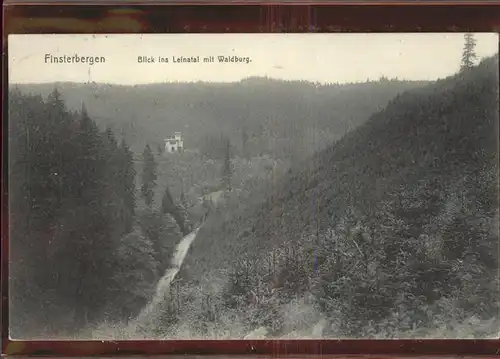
(223, 186)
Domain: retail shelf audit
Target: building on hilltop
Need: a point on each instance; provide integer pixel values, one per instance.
(174, 143)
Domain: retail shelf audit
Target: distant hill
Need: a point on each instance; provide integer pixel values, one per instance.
(404, 204)
(279, 118)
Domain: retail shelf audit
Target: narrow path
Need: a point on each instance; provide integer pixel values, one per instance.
(163, 285)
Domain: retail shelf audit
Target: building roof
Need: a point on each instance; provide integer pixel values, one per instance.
(171, 137)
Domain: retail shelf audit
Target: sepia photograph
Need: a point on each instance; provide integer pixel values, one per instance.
(253, 186)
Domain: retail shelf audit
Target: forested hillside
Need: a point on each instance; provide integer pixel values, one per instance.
(283, 119)
(391, 231)
(79, 250)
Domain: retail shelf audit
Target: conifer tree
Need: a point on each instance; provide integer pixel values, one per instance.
(167, 203)
(149, 176)
(469, 54)
(227, 170)
(127, 185)
(169, 207)
(182, 208)
(169, 236)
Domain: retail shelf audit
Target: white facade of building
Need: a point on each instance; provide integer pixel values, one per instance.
(174, 143)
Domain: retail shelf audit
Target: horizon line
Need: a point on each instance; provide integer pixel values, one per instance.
(266, 78)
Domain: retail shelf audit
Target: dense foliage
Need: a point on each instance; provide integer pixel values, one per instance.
(260, 116)
(392, 231)
(77, 252)
(395, 225)
(149, 176)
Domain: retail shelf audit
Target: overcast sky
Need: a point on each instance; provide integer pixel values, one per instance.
(320, 58)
